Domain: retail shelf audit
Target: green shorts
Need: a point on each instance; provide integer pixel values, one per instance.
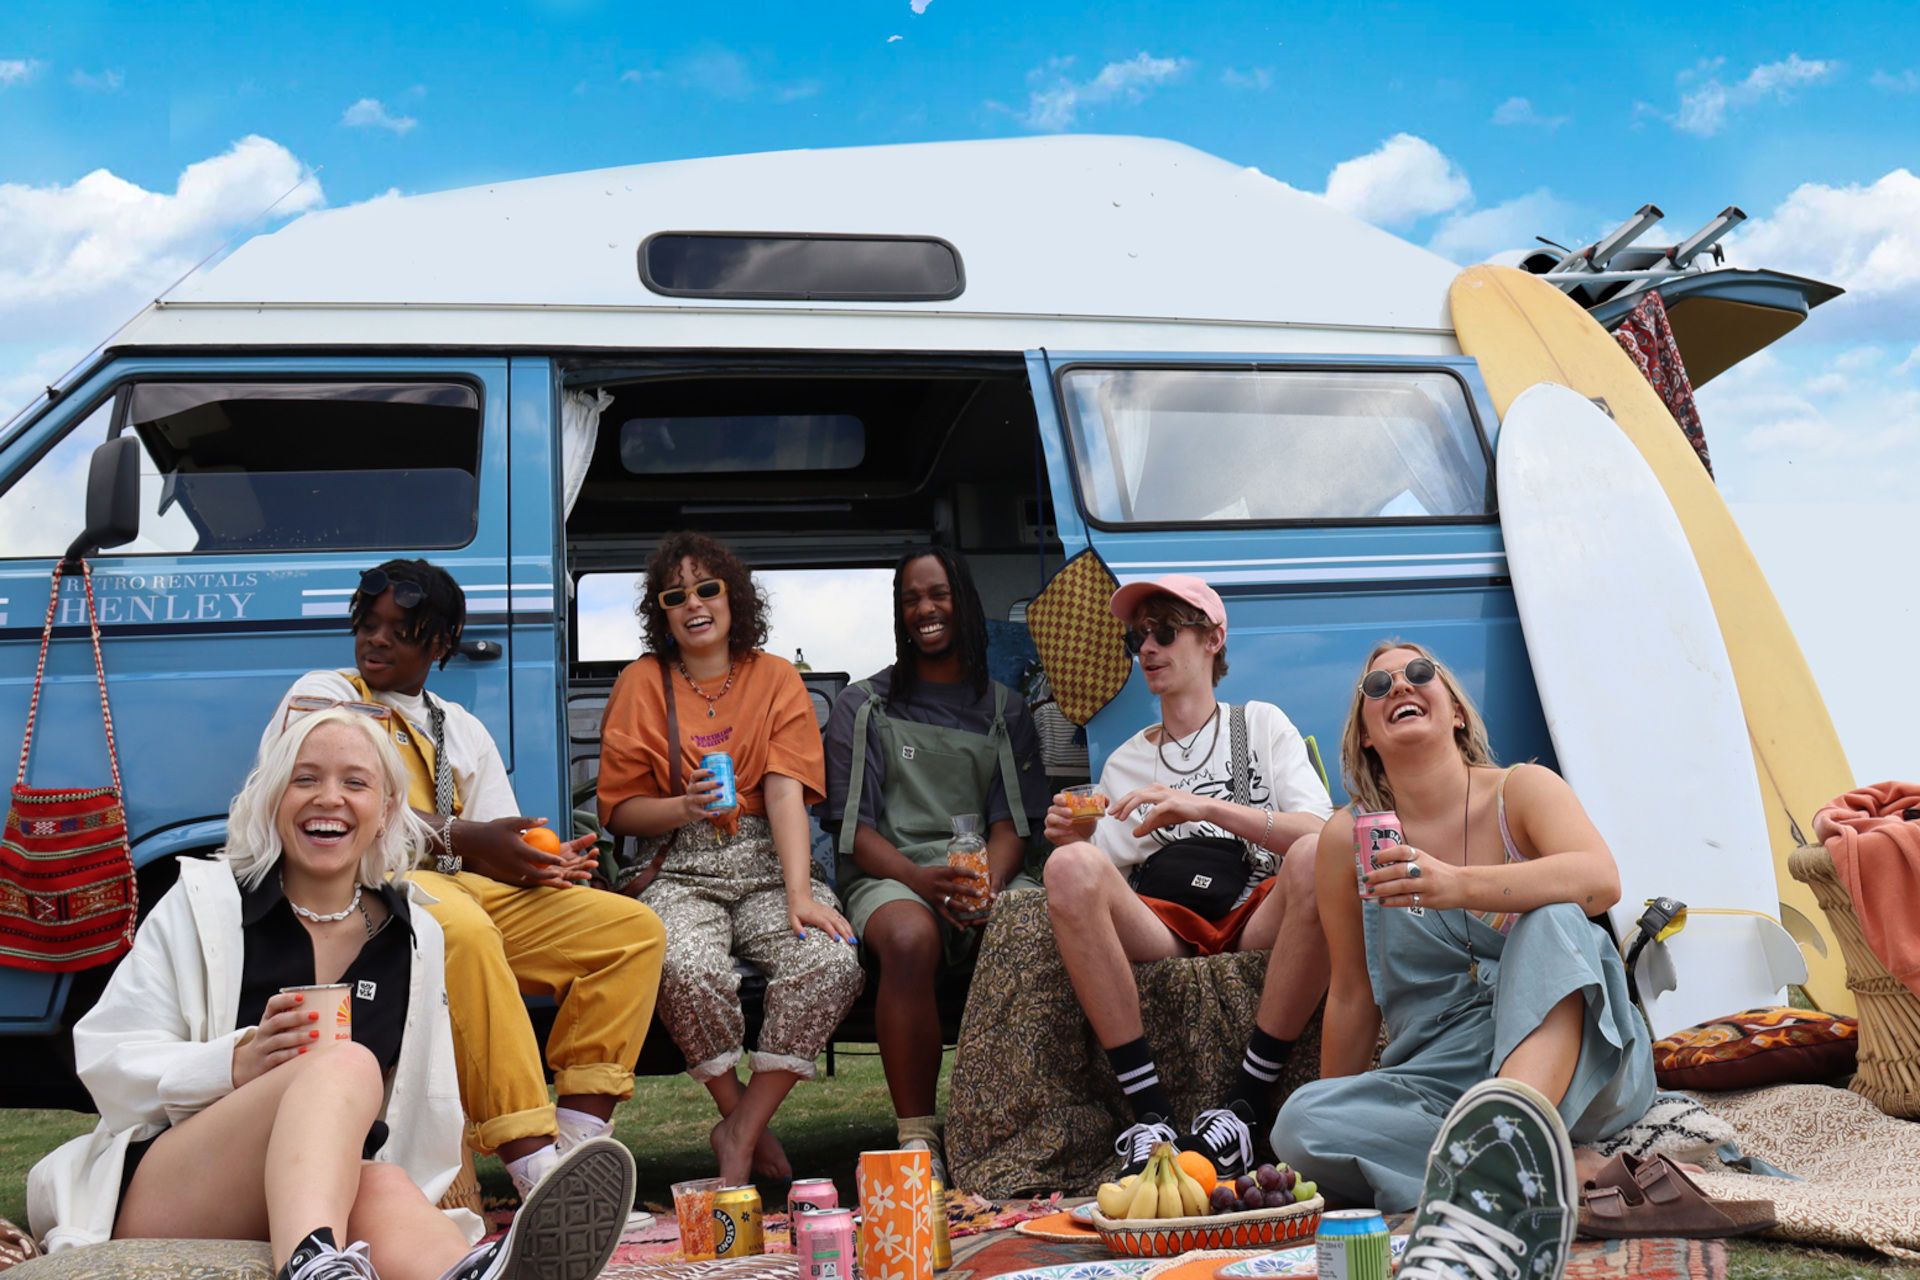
(864, 895)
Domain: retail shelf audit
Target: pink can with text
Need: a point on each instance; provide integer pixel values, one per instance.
(823, 1243)
(1373, 835)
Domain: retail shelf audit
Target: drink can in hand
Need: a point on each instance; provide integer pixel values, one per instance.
(1373, 835)
(720, 765)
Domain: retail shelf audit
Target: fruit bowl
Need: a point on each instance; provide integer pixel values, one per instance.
(1250, 1229)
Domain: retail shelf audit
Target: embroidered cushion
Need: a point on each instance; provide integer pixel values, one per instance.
(1758, 1047)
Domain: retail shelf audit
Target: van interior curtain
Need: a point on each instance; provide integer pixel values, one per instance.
(579, 429)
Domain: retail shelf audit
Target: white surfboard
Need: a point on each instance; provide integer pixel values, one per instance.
(1639, 695)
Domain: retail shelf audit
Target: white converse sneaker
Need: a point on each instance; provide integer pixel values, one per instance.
(529, 1171)
(573, 1132)
(568, 1223)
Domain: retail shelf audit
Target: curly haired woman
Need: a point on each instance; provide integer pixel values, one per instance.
(735, 882)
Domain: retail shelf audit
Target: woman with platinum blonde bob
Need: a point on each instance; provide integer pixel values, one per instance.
(228, 1111)
(1510, 1033)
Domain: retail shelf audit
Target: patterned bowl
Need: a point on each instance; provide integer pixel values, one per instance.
(1165, 1237)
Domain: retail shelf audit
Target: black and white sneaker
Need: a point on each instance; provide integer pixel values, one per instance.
(566, 1228)
(315, 1258)
(1225, 1137)
(1136, 1143)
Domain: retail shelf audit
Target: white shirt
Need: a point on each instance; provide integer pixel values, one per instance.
(478, 771)
(1280, 777)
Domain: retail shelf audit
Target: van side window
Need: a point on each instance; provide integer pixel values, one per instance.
(1204, 446)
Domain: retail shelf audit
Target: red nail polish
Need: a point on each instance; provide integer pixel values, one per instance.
(313, 1035)
(313, 1017)
(303, 1048)
(298, 999)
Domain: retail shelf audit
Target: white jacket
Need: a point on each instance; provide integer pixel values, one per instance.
(158, 1047)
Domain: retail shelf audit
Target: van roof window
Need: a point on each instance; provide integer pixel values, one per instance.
(743, 442)
(801, 266)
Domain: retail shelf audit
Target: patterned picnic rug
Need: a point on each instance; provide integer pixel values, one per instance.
(1860, 1168)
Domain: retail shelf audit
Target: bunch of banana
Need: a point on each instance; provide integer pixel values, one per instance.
(1162, 1190)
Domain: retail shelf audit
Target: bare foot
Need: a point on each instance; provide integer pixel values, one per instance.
(1587, 1164)
(770, 1158)
(733, 1150)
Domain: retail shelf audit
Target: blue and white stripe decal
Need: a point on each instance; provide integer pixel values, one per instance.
(1437, 566)
(331, 602)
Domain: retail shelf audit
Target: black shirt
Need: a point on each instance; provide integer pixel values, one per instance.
(279, 953)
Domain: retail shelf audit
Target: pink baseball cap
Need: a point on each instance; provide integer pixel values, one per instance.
(1127, 600)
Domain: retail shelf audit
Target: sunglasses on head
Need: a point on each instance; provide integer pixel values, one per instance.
(674, 597)
(1378, 684)
(405, 594)
(307, 704)
(1161, 633)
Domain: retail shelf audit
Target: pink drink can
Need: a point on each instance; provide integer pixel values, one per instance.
(805, 1194)
(1373, 835)
(823, 1243)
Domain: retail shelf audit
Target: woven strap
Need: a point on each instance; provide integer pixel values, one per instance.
(99, 670)
(1237, 763)
(442, 767)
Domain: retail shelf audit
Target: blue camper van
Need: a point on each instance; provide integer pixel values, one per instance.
(1018, 348)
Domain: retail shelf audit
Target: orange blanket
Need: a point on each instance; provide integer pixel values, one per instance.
(1877, 853)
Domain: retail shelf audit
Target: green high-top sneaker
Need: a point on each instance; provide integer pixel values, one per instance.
(1500, 1201)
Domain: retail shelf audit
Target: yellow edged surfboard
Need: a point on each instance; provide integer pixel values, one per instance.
(1523, 331)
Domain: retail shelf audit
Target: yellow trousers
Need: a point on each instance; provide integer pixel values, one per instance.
(598, 954)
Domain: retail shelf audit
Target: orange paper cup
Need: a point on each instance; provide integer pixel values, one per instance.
(334, 1003)
(896, 1210)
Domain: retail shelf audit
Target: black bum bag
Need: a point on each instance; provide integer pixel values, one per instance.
(1204, 874)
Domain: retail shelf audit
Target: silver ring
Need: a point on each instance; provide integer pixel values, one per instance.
(947, 901)
(1413, 870)
(1416, 899)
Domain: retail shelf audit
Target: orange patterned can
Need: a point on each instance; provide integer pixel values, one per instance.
(896, 1211)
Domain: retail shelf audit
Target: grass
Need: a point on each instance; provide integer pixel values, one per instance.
(824, 1126)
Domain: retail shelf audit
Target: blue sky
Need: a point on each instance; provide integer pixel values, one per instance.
(136, 138)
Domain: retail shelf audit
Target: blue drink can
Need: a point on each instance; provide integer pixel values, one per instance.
(1352, 1244)
(720, 765)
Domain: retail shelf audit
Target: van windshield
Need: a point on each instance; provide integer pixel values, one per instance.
(1206, 446)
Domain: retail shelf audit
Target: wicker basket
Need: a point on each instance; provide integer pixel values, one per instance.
(1249, 1229)
(1889, 1075)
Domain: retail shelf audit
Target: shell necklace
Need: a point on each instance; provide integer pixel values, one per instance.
(710, 697)
(315, 916)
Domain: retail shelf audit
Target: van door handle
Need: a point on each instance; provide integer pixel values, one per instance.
(480, 650)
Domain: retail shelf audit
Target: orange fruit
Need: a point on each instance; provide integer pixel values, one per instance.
(1200, 1169)
(542, 838)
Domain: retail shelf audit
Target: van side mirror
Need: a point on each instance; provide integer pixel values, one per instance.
(113, 498)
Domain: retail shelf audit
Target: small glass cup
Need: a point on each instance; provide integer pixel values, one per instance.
(693, 1211)
(1085, 801)
(968, 852)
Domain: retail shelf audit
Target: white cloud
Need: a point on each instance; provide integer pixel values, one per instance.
(371, 113)
(1258, 78)
(720, 72)
(77, 260)
(891, 39)
(1520, 111)
(1476, 235)
(1404, 180)
(16, 71)
(1907, 81)
(1054, 98)
(919, 6)
(1865, 239)
(1705, 107)
(106, 81)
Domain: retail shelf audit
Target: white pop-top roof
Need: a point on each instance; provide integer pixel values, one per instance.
(1061, 237)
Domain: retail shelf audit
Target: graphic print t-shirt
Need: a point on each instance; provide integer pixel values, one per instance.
(1281, 777)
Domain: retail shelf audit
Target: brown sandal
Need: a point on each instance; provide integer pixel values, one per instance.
(1631, 1197)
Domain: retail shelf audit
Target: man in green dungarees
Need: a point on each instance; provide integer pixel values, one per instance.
(908, 749)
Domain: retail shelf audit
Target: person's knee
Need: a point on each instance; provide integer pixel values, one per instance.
(1076, 875)
(349, 1067)
(905, 938)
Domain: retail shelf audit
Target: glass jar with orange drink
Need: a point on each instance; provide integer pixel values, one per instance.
(1087, 805)
(967, 851)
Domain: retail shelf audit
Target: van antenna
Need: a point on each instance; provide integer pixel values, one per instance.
(58, 387)
(248, 225)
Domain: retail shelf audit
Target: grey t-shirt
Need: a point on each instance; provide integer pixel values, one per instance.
(945, 706)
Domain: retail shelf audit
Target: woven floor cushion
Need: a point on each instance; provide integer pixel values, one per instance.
(153, 1260)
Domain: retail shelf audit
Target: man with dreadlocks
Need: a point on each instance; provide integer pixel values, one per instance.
(908, 749)
(513, 918)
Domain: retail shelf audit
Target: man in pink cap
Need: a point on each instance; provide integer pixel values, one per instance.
(1206, 846)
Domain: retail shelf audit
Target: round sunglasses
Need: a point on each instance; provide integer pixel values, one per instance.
(405, 594)
(674, 597)
(1162, 635)
(1378, 684)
